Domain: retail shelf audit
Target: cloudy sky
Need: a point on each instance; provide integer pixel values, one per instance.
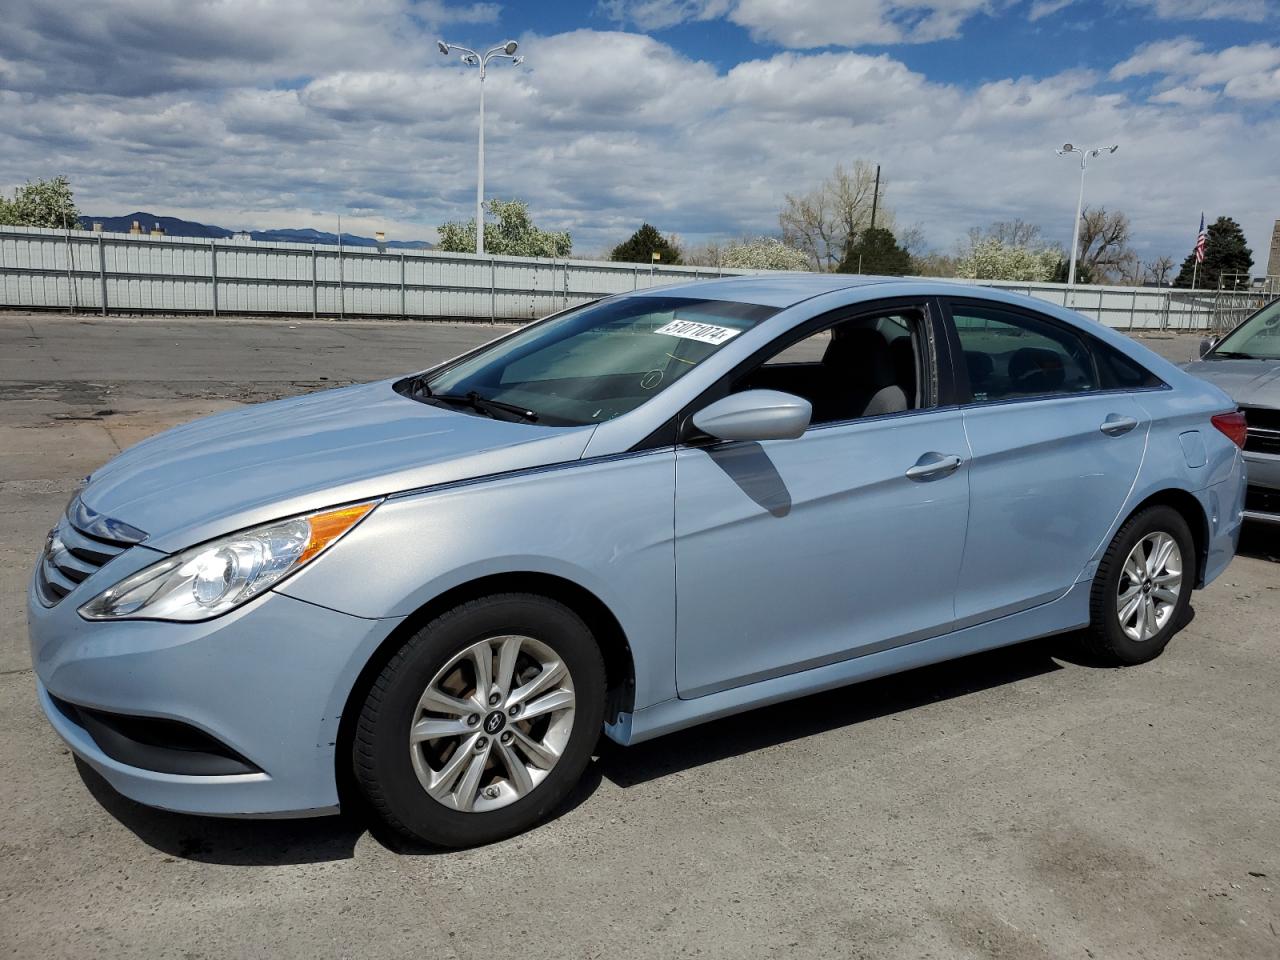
(697, 115)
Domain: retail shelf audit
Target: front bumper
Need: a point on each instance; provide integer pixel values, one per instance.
(1262, 504)
(269, 681)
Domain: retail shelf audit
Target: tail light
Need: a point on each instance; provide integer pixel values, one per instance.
(1232, 426)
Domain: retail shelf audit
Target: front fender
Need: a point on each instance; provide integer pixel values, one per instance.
(605, 525)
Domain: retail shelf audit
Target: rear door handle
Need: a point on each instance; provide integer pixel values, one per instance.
(934, 466)
(1115, 425)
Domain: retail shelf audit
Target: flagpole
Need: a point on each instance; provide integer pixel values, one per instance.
(1194, 268)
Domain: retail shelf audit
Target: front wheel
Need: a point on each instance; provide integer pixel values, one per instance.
(481, 724)
(1142, 588)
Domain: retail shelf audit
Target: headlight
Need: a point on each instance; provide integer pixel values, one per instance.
(220, 575)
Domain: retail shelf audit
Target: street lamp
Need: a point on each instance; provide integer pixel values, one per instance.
(1065, 149)
(473, 59)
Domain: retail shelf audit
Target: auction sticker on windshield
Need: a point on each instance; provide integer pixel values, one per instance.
(702, 332)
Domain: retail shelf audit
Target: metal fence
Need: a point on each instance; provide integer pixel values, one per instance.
(127, 273)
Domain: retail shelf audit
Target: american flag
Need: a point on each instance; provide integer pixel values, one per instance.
(1201, 238)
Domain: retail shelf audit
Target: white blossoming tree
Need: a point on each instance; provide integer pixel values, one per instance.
(508, 230)
(991, 259)
(763, 253)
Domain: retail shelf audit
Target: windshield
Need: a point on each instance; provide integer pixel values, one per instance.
(594, 363)
(1258, 338)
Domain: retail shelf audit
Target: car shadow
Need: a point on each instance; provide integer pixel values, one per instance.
(1260, 541)
(232, 841)
(264, 843)
(819, 713)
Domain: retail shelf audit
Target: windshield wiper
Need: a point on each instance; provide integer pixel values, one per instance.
(1235, 355)
(473, 400)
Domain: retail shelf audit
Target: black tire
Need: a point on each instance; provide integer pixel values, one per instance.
(381, 759)
(1105, 640)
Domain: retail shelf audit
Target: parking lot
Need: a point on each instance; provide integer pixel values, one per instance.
(1017, 804)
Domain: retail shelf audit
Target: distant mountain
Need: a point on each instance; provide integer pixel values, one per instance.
(174, 227)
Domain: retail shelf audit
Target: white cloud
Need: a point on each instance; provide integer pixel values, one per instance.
(1250, 72)
(810, 24)
(807, 24)
(601, 130)
(1044, 8)
(851, 23)
(1253, 11)
(1194, 97)
(659, 14)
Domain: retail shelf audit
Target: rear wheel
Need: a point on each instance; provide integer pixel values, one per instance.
(1142, 588)
(482, 722)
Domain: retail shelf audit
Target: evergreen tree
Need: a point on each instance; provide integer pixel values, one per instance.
(876, 252)
(643, 244)
(1084, 273)
(1225, 252)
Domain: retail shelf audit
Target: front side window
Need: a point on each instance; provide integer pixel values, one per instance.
(1009, 355)
(864, 366)
(1258, 338)
(594, 363)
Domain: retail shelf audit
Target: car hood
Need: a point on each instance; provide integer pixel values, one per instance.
(273, 460)
(1251, 383)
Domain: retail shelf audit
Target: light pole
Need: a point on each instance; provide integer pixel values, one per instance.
(1065, 149)
(473, 59)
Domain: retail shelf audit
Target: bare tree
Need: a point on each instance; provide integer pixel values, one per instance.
(710, 254)
(1159, 269)
(934, 264)
(1015, 233)
(1104, 243)
(824, 222)
(912, 240)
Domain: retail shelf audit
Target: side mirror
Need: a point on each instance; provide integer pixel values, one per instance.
(755, 415)
(1206, 344)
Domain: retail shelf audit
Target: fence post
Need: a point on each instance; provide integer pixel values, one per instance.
(1133, 306)
(493, 289)
(102, 274)
(71, 284)
(315, 295)
(402, 313)
(213, 274)
(342, 295)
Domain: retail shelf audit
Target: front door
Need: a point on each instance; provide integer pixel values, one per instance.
(792, 554)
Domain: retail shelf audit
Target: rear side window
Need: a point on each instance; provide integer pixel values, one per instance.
(1118, 372)
(1009, 355)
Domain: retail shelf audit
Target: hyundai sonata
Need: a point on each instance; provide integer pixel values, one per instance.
(634, 516)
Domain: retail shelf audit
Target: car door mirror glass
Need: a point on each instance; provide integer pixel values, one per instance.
(1206, 344)
(755, 415)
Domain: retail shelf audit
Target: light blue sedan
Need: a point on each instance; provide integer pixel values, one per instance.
(634, 516)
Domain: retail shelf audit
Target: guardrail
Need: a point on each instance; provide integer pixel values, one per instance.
(126, 273)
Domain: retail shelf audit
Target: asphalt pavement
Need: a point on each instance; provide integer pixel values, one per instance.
(1016, 804)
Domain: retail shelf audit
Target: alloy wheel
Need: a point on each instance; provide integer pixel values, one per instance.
(492, 723)
(1150, 584)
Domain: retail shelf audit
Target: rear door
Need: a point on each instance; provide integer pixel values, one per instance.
(1054, 450)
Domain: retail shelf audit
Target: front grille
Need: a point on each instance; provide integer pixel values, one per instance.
(77, 547)
(1263, 430)
(1262, 500)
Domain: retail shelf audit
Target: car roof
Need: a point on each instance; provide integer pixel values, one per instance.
(767, 289)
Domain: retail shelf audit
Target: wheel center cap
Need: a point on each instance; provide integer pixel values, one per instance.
(494, 722)
(1146, 586)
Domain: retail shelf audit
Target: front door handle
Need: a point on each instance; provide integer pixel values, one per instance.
(934, 466)
(1117, 426)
